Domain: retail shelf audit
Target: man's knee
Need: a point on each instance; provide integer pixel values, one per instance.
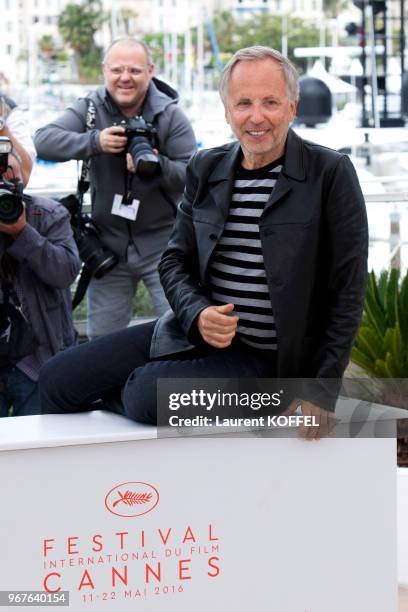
(52, 384)
(139, 396)
(47, 386)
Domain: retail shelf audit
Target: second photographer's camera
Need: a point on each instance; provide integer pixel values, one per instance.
(11, 199)
(142, 137)
(98, 258)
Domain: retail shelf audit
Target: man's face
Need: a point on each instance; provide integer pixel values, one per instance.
(127, 76)
(259, 110)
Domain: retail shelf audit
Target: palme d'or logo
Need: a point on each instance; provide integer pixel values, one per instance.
(130, 499)
(99, 561)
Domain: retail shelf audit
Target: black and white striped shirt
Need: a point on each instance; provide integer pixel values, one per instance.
(237, 271)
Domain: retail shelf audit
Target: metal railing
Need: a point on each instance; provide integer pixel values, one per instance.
(394, 197)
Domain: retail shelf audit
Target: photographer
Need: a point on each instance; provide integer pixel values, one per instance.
(138, 127)
(38, 262)
(14, 127)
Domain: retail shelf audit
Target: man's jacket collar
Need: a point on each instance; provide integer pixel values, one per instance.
(158, 97)
(224, 170)
(293, 166)
(292, 172)
(222, 176)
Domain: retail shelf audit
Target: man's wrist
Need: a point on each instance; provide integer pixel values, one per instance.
(15, 233)
(16, 155)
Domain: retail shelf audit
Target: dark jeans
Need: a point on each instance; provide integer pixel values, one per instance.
(19, 392)
(117, 370)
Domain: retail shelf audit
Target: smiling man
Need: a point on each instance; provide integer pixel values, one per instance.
(265, 269)
(133, 211)
(259, 114)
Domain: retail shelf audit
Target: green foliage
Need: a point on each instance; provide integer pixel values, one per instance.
(127, 16)
(227, 32)
(78, 23)
(265, 29)
(381, 346)
(301, 33)
(155, 42)
(90, 65)
(46, 44)
(260, 30)
(47, 49)
(142, 303)
(333, 8)
(232, 34)
(62, 56)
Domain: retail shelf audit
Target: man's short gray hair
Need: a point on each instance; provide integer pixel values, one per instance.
(131, 42)
(259, 52)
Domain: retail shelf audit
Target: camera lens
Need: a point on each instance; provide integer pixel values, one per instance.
(11, 207)
(146, 163)
(94, 254)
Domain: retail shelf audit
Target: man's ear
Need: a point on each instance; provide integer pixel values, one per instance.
(151, 70)
(226, 114)
(293, 109)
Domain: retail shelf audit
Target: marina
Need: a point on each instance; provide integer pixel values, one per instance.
(380, 156)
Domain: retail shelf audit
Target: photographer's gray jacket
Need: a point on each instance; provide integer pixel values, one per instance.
(67, 138)
(48, 264)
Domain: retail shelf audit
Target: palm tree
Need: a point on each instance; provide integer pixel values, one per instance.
(127, 17)
(78, 24)
(46, 45)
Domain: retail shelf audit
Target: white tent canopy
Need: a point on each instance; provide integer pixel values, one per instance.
(336, 85)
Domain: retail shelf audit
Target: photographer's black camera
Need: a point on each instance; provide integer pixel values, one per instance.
(97, 257)
(11, 199)
(142, 139)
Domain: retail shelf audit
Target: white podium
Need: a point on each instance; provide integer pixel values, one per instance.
(97, 505)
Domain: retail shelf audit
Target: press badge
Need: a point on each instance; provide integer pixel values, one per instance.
(127, 211)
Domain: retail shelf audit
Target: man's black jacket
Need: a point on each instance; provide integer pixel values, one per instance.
(314, 240)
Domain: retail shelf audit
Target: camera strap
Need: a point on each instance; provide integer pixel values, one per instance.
(84, 179)
(82, 187)
(82, 286)
(17, 338)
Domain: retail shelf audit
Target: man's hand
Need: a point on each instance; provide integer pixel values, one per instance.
(325, 421)
(112, 139)
(4, 131)
(131, 165)
(26, 161)
(5, 110)
(14, 229)
(216, 326)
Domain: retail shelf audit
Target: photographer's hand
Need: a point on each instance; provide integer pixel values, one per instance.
(131, 165)
(26, 161)
(14, 229)
(112, 140)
